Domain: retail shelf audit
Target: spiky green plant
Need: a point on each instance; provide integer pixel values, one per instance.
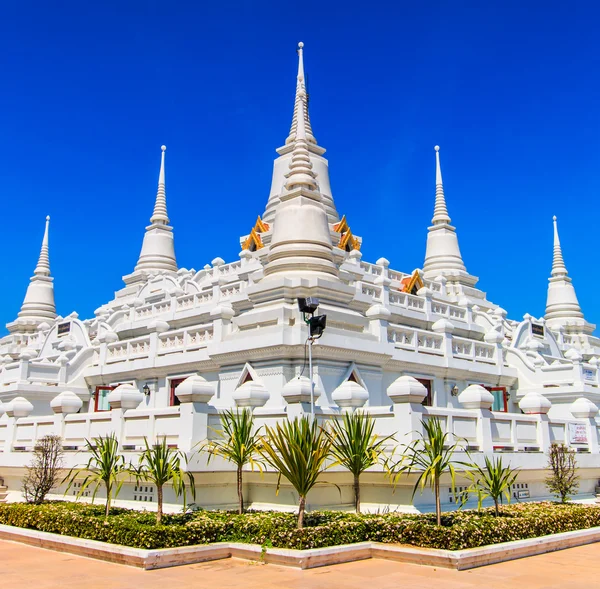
(297, 450)
(104, 467)
(431, 456)
(356, 447)
(238, 443)
(159, 464)
(492, 480)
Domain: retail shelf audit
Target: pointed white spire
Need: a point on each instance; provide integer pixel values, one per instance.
(158, 248)
(301, 242)
(38, 305)
(43, 265)
(562, 306)
(558, 263)
(160, 206)
(442, 256)
(440, 212)
(301, 173)
(301, 96)
(282, 163)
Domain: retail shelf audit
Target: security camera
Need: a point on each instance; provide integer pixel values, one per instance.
(308, 305)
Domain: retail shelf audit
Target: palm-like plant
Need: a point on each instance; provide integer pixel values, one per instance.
(492, 480)
(103, 468)
(432, 456)
(297, 450)
(160, 464)
(238, 443)
(356, 447)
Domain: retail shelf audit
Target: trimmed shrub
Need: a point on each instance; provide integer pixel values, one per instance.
(459, 529)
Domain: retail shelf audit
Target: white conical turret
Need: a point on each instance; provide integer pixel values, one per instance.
(38, 305)
(301, 242)
(158, 249)
(442, 256)
(282, 163)
(301, 95)
(562, 306)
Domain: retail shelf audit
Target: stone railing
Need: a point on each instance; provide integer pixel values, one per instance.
(138, 347)
(152, 310)
(476, 428)
(185, 340)
(180, 340)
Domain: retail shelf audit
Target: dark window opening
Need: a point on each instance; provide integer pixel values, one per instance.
(428, 400)
(173, 384)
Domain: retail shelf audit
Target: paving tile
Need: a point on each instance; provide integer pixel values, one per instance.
(25, 566)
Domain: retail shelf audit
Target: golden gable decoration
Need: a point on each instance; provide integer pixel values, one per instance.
(253, 241)
(347, 241)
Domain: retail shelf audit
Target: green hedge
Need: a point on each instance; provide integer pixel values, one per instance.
(461, 529)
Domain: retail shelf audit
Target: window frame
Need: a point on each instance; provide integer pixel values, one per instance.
(504, 397)
(173, 384)
(428, 384)
(97, 396)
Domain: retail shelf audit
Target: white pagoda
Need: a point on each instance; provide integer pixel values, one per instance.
(177, 346)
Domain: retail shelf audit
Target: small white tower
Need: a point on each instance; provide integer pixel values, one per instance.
(562, 306)
(442, 256)
(38, 305)
(158, 248)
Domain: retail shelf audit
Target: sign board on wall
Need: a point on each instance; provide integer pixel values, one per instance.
(578, 433)
(589, 374)
(537, 329)
(523, 494)
(63, 328)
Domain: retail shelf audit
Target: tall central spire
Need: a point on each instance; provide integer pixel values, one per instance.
(301, 242)
(158, 248)
(558, 262)
(301, 96)
(442, 256)
(440, 212)
(38, 305)
(159, 216)
(281, 164)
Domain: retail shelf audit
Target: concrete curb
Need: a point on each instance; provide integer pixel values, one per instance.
(303, 559)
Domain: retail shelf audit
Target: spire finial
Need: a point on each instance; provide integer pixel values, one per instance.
(558, 263)
(301, 173)
(159, 216)
(440, 212)
(43, 265)
(301, 92)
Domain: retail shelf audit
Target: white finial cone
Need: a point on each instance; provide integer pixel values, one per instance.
(301, 95)
(558, 262)
(440, 212)
(38, 305)
(43, 265)
(562, 306)
(158, 248)
(442, 254)
(159, 216)
(301, 173)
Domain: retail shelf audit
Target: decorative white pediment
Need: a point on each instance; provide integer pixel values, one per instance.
(248, 374)
(353, 375)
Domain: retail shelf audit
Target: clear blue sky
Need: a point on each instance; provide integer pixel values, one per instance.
(509, 90)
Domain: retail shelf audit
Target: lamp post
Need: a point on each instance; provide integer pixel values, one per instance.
(316, 327)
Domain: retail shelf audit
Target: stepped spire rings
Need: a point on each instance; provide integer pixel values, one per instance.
(159, 215)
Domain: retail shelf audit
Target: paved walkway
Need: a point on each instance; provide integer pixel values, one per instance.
(24, 566)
